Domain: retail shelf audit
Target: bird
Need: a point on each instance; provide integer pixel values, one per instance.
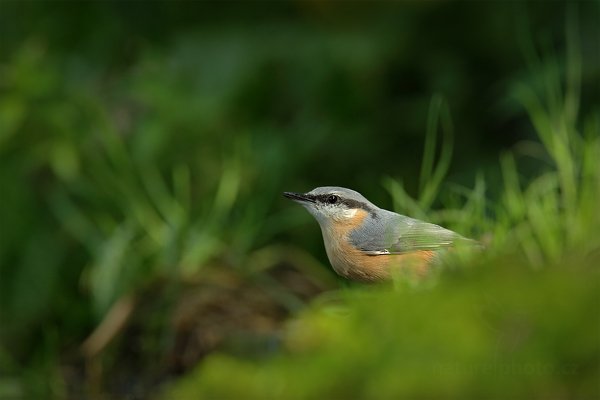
(366, 243)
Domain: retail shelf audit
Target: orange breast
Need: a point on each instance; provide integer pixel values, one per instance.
(354, 264)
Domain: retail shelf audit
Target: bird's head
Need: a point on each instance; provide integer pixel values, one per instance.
(332, 205)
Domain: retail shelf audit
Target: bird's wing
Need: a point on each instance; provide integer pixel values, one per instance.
(403, 234)
(422, 236)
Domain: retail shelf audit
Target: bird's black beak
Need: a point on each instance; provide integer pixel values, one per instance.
(299, 197)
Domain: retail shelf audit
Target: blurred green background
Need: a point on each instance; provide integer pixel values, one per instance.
(146, 250)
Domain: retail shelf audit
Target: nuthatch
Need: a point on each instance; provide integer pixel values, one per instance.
(366, 243)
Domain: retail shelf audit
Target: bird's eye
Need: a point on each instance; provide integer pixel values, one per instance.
(332, 199)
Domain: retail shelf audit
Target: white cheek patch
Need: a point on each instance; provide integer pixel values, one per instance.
(350, 213)
(344, 214)
(327, 213)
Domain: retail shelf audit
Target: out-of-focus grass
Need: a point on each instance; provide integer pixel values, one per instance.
(141, 182)
(521, 321)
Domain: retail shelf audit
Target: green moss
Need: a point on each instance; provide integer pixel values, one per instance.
(498, 331)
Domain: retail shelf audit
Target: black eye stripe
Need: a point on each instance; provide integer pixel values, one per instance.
(350, 203)
(325, 198)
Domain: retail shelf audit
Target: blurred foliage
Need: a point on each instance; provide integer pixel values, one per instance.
(491, 328)
(144, 148)
(496, 331)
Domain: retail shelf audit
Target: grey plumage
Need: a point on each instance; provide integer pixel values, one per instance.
(391, 233)
(386, 232)
(367, 243)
